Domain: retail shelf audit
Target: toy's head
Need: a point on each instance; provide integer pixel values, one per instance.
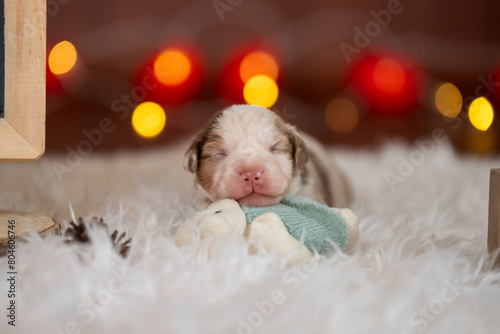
(222, 217)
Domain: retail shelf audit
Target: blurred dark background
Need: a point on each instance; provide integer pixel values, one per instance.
(352, 73)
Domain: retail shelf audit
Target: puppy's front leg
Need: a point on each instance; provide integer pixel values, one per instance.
(269, 228)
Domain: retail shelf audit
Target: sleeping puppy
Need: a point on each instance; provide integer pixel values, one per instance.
(249, 154)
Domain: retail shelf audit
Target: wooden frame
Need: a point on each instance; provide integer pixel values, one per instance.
(22, 130)
(494, 215)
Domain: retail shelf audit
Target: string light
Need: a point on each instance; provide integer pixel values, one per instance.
(261, 90)
(341, 115)
(481, 113)
(172, 67)
(62, 58)
(448, 100)
(149, 119)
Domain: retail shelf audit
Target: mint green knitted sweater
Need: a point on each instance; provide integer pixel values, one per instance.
(319, 224)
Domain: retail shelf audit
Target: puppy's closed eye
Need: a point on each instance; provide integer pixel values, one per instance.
(214, 154)
(220, 154)
(278, 148)
(214, 149)
(281, 145)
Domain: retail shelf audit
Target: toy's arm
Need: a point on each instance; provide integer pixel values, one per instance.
(221, 218)
(351, 219)
(269, 228)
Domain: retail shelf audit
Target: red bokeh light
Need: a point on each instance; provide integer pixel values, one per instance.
(389, 76)
(491, 85)
(53, 84)
(230, 83)
(388, 84)
(185, 90)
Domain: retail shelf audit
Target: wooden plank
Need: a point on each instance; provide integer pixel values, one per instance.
(24, 223)
(13, 146)
(25, 59)
(2, 58)
(494, 214)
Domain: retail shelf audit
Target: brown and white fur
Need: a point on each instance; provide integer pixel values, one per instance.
(249, 154)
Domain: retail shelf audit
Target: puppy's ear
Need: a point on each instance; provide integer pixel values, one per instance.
(299, 149)
(193, 153)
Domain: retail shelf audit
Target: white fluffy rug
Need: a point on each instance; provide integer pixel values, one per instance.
(420, 264)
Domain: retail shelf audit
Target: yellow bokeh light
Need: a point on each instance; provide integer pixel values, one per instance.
(261, 90)
(341, 115)
(448, 100)
(172, 67)
(62, 58)
(257, 63)
(481, 113)
(149, 119)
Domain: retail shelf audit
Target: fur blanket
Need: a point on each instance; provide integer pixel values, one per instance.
(420, 265)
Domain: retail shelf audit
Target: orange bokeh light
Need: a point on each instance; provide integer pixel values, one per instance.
(257, 63)
(172, 67)
(342, 115)
(389, 76)
(62, 58)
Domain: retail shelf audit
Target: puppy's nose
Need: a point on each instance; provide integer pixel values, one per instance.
(252, 176)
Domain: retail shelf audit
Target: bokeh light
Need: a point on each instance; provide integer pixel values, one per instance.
(62, 58)
(482, 142)
(261, 90)
(172, 77)
(389, 76)
(240, 64)
(448, 100)
(149, 119)
(495, 77)
(172, 67)
(256, 63)
(387, 83)
(481, 113)
(342, 115)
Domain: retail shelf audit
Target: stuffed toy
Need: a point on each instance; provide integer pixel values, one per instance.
(295, 226)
